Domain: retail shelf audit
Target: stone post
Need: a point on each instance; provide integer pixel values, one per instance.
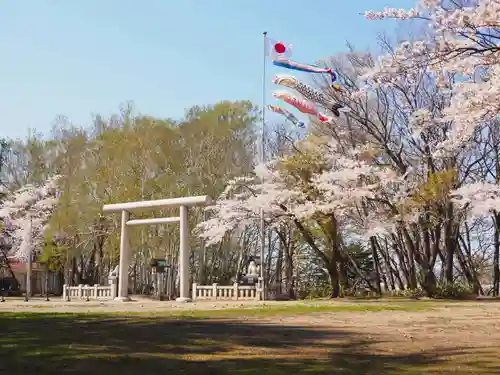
(214, 290)
(235, 291)
(113, 282)
(184, 272)
(194, 292)
(124, 260)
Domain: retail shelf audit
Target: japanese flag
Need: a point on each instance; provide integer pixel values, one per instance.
(276, 49)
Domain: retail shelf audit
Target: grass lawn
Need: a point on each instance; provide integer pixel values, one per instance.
(409, 338)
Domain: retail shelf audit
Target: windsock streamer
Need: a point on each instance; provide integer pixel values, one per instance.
(309, 93)
(289, 116)
(303, 106)
(292, 65)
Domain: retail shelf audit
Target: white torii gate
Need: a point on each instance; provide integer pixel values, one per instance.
(126, 208)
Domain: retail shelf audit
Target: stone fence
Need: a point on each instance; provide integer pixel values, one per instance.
(226, 292)
(95, 292)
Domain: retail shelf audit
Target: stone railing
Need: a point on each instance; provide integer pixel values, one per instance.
(225, 292)
(87, 292)
(96, 292)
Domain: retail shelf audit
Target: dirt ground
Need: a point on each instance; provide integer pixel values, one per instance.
(137, 305)
(459, 338)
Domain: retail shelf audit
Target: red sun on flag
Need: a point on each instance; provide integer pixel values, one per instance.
(279, 48)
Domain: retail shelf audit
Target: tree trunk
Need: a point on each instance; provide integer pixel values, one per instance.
(412, 275)
(269, 259)
(287, 249)
(450, 244)
(333, 273)
(469, 271)
(289, 284)
(387, 266)
(279, 268)
(203, 264)
(376, 265)
(61, 281)
(496, 256)
(402, 267)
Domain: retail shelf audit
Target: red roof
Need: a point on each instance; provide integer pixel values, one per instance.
(16, 266)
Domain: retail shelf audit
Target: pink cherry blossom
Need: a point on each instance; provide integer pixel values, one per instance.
(463, 43)
(25, 214)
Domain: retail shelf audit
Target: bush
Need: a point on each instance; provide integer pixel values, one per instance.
(458, 289)
(320, 290)
(408, 293)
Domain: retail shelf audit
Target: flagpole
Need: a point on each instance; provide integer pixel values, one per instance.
(262, 160)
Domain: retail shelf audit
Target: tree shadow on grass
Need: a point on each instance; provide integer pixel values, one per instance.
(81, 344)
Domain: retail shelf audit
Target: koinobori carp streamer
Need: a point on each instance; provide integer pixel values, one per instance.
(303, 106)
(289, 116)
(292, 65)
(309, 93)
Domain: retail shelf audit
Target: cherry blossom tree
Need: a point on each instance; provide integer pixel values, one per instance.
(321, 189)
(24, 215)
(462, 58)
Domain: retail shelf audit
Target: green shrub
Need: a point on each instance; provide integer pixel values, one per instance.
(408, 293)
(459, 289)
(320, 290)
(315, 286)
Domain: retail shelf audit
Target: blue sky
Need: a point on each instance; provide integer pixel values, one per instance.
(78, 57)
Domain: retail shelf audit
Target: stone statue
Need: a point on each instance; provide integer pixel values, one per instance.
(252, 270)
(114, 273)
(252, 274)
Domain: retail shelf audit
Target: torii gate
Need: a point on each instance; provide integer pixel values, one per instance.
(126, 208)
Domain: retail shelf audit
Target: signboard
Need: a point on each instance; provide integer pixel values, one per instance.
(159, 264)
(162, 263)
